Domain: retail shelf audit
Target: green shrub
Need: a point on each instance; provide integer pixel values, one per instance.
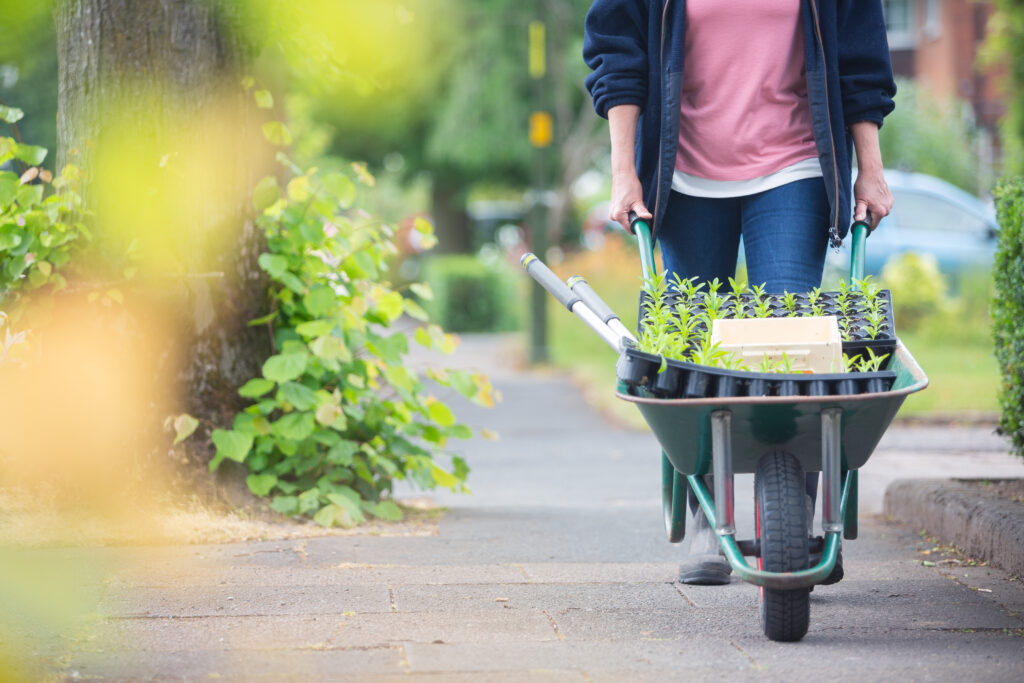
(336, 416)
(1008, 308)
(918, 288)
(471, 295)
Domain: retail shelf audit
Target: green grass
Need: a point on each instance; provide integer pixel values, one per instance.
(955, 350)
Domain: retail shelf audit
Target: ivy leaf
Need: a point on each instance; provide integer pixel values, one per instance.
(294, 426)
(334, 515)
(255, 387)
(265, 193)
(30, 154)
(320, 301)
(184, 426)
(285, 366)
(440, 413)
(348, 504)
(422, 290)
(286, 505)
(299, 396)
(231, 444)
(330, 347)
(276, 133)
(385, 509)
(11, 114)
(316, 328)
(274, 264)
(261, 484)
(264, 100)
(442, 478)
(341, 188)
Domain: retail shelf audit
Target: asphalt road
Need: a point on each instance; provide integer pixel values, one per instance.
(555, 569)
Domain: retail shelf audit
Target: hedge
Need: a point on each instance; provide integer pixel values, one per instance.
(1008, 308)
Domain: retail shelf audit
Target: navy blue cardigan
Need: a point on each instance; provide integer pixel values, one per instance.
(635, 49)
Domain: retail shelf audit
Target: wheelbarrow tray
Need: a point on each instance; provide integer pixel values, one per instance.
(791, 423)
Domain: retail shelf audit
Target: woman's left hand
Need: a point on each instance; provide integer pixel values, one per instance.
(874, 201)
(870, 192)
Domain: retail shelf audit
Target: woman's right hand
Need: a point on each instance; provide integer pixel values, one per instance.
(627, 195)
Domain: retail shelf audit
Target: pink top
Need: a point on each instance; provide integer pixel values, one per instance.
(744, 111)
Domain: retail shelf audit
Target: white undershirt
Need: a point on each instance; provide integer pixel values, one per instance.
(695, 186)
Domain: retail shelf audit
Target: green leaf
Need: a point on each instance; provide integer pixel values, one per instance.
(330, 347)
(261, 484)
(385, 510)
(334, 515)
(286, 505)
(255, 387)
(443, 478)
(265, 193)
(30, 195)
(184, 426)
(264, 100)
(320, 301)
(299, 396)
(276, 133)
(441, 414)
(414, 310)
(11, 114)
(274, 264)
(316, 328)
(341, 188)
(285, 366)
(8, 188)
(299, 189)
(422, 290)
(341, 454)
(348, 504)
(328, 414)
(390, 305)
(231, 444)
(30, 154)
(294, 426)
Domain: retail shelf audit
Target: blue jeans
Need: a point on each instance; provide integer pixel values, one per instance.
(785, 236)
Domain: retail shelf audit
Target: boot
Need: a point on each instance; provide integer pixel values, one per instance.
(703, 566)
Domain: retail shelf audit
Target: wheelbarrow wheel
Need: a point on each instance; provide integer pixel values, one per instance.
(781, 521)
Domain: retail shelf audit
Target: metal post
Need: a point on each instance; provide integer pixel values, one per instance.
(540, 138)
(831, 469)
(721, 460)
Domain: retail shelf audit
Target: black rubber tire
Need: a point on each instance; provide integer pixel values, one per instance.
(781, 523)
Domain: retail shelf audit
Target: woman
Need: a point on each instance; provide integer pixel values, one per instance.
(739, 118)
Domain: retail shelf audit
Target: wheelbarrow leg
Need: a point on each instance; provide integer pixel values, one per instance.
(831, 470)
(673, 500)
(721, 462)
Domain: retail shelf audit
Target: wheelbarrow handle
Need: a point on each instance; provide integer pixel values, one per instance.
(639, 227)
(558, 289)
(595, 303)
(860, 231)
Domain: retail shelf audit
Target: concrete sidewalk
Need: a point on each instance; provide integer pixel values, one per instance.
(556, 569)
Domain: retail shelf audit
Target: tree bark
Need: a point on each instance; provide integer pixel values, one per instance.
(451, 220)
(165, 67)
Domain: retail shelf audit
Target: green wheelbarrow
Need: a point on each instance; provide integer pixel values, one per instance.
(778, 438)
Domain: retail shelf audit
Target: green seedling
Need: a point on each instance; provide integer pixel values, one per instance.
(789, 302)
(767, 364)
(763, 309)
(706, 353)
(849, 365)
(814, 296)
(876, 323)
(786, 364)
(844, 328)
(687, 288)
(872, 363)
(738, 286)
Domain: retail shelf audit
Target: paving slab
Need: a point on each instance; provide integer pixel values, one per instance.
(556, 569)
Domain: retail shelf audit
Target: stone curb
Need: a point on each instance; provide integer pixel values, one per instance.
(984, 526)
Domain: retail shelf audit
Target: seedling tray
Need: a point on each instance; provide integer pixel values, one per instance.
(856, 338)
(669, 378)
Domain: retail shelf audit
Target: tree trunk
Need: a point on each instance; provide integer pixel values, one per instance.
(451, 221)
(158, 72)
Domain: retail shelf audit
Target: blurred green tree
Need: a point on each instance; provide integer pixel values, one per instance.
(28, 69)
(1004, 46)
(467, 122)
(928, 135)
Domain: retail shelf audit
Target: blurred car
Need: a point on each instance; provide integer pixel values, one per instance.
(930, 216)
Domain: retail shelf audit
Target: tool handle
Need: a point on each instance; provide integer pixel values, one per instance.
(639, 227)
(584, 291)
(548, 280)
